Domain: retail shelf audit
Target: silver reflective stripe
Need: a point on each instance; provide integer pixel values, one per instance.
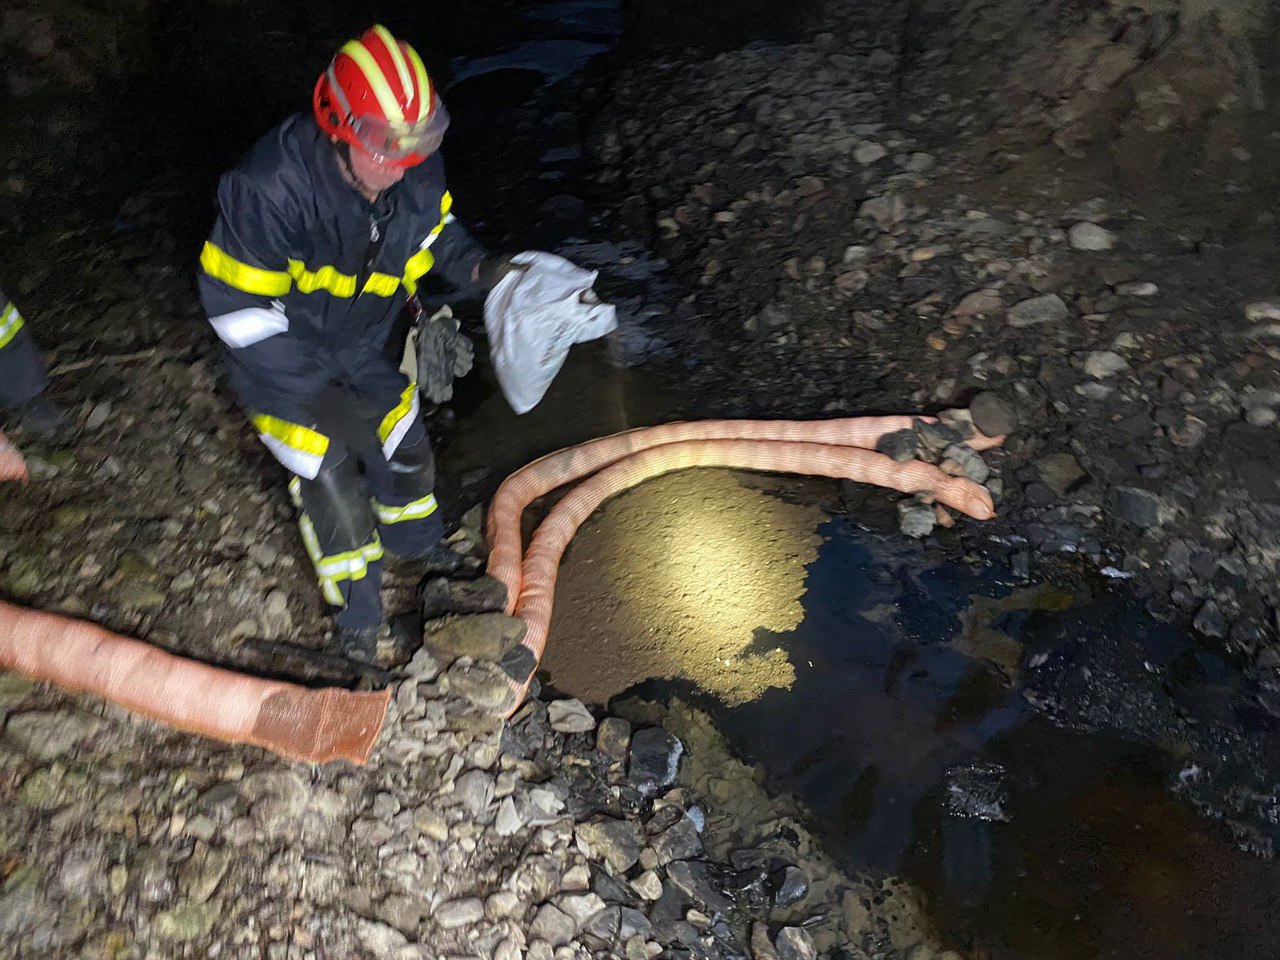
(401, 428)
(242, 328)
(417, 510)
(431, 237)
(296, 461)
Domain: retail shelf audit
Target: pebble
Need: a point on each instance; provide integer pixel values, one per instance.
(1137, 288)
(1090, 236)
(978, 303)
(795, 943)
(868, 152)
(1138, 506)
(482, 636)
(570, 716)
(1104, 363)
(655, 759)
(1260, 416)
(992, 416)
(553, 925)
(1262, 310)
(48, 734)
(648, 885)
(899, 445)
(616, 842)
(613, 738)
(1209, 620)
(915, 519)
(459, 913)
(1048, 308)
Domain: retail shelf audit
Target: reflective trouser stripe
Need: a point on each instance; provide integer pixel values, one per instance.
(10, 324)
(397, 423)
(417, 510)
(300, 449)
(333, 568)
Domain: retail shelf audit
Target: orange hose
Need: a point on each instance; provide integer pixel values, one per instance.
(543, 475)
(541, 563)
(12, 464)
(314, 726)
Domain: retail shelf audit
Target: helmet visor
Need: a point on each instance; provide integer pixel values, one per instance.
(396, 140)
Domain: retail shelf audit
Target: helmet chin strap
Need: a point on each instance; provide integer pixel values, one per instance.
(349, 174)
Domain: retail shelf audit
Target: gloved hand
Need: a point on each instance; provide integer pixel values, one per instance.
(494, 267)
(443, 354)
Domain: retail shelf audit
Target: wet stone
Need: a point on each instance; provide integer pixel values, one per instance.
(761, 946)
(790, 886)
(900, 445)
(962, 460)
(693, 878)
(1101, 364)
(794, 943)
(613, 738)
(483, 685)
(1048, 308)
(934, 438)
(679, 842)
(1210, 621)
(648, 885)
(1137, 506)
(915, 519)
(442, 595)
(570, 716)
(1061, 472)
(1090, 236)
(616, 842)
(655, 760)
(483, 636)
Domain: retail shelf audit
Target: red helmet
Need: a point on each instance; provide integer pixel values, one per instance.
(376, 96)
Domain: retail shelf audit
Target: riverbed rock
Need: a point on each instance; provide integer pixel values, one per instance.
(795, 943)
(1090, 236)
(483, 636)
(655, 759)
(441, 595)
(48, 734)
(992, 415)
(1047, 308)
(616, 842)
(613, 738)
(459, 913)
(1105, 363)
(898, 445)
(1135, 505)
(570, 716)
(915, 519)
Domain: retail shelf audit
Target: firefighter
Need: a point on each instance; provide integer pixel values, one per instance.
(324, 232)
(23, 377)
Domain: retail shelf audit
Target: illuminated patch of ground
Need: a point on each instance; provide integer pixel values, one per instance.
(676, 579)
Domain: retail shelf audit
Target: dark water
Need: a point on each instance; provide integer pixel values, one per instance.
(1057, 771)
(910, 736)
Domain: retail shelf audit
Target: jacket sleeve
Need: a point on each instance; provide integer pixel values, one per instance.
(244, 266)
(243, 278)
(22, 371)
(447, 251)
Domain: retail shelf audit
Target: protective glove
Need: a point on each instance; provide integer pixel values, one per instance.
(494, 267)
(443, 354)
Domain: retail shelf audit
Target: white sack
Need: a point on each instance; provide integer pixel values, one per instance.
(534, 316)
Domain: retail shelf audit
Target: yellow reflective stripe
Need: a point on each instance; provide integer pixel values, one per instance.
(358, 52)
(446, 204)
(326, 278)
(222, 266)
(419, 264)
(398, 413)
(10, 324)
(382, 285)
(332, 569)
(330, 280)
(292, 435)
(402, 68)
(424, 83)
(417, 510)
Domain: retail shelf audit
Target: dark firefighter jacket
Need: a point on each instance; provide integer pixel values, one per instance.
(22, 373)
(304, 279)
